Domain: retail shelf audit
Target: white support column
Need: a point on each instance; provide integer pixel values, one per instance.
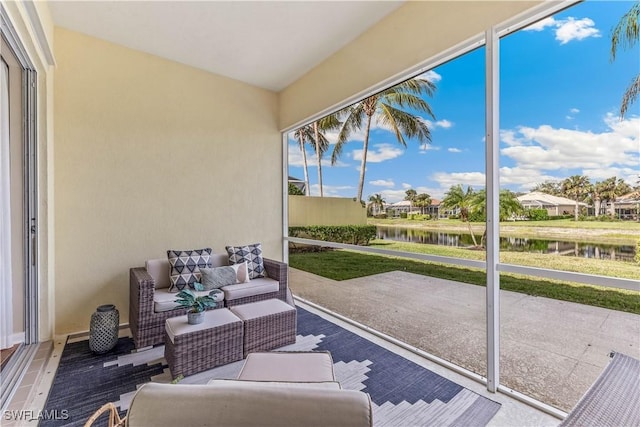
(285, 198)
(492, 70)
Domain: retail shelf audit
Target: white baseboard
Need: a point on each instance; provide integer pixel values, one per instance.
(17, 338)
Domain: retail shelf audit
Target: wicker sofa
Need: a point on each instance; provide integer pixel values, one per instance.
(150, 303)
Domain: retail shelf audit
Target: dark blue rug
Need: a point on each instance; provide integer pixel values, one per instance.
(403, 393)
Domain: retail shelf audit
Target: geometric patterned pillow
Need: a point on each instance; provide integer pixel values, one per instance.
(252, 254)
(185, 267)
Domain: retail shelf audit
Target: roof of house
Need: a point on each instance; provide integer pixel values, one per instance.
(541, 198)
(401, 203)
(632, 197)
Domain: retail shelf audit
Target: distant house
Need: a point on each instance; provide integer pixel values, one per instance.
(627, 206)
(299, 183)
(555, 205)
(394, 209)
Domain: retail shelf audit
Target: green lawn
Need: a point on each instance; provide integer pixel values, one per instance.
(346, 264)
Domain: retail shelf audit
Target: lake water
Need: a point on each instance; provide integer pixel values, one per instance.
(511, 244)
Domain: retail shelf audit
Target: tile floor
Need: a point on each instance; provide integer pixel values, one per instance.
(33, 391)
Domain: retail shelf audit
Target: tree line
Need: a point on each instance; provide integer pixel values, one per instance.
(580, 189)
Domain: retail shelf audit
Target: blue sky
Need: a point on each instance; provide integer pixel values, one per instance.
(560, 97)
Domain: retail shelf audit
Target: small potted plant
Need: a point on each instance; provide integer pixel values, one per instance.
(196, 305)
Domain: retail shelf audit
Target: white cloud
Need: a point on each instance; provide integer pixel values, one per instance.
(406, 186)
(379, 153)
(574, 111)
(568, 29)
(431, 75)
(393, 196)
(546, 148)
(428, 147)
(444, 123)
(629, 174)
(383, 183)
(522, 177)
(576, 29)
(295, 158)
(446, 180)
(332, 190)
(454, 150)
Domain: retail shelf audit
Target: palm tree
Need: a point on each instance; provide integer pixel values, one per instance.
(387, 106)
(577, 188)
(320, 141)
(411, 195)
(457, 198)
(614, 188)
(508, 203)
(597, 192)
(627, 33)
(304, 135)
(549, 187)
(422, 200)
(377, 203)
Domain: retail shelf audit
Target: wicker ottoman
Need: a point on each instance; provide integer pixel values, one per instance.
(268, 324)
(190, 349)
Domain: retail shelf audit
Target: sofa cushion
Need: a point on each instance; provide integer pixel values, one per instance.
(252, 254)
(295, 366)
(226, 404)
(217, 277)
(163, 300)
(262, 308)
(185, 267)
(176, 326)
(260, 286)
(159, 269)
(329, 385)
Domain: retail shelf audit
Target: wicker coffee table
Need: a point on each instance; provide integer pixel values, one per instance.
(190, 349)
(268, 324)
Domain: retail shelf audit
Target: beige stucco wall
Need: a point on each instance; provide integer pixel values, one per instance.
(412, 34)
(304, 210)
(153, 155)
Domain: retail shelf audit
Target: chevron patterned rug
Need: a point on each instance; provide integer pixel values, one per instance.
(403, 393)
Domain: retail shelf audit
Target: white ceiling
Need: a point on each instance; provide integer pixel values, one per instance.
(269, 44)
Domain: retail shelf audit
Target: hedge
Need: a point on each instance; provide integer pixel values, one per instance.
(351, 234)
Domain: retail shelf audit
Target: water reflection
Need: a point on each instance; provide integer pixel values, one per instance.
(512, 244)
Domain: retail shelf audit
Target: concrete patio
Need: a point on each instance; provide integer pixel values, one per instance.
(550, 350)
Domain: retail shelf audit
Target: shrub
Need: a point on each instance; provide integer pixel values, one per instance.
(403, 215)
(351, 234)
(295, 191)
(537, 214)
(477, 216)
(380, 216)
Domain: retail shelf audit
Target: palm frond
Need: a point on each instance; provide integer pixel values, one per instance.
(352, 123)
(630, 96)
(627, 31)
(403, 123)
